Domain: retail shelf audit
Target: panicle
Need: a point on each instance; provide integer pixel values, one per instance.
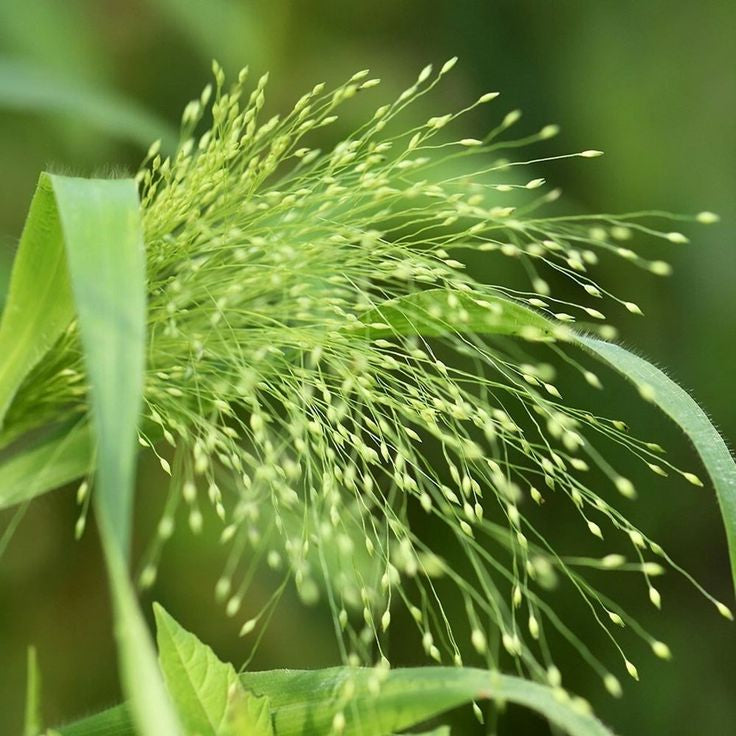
(319, 372)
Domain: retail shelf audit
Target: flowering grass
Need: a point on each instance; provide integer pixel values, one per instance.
(327, 363)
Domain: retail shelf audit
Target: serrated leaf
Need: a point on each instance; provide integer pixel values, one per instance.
(208, 694)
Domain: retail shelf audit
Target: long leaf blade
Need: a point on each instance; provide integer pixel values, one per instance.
(82, 250)
(39, 305)
(150, 707)
(422, 313)
(104, 246)
(674, 401)
(103, 235)
(305, 702)
(429, 314)
(44, 464)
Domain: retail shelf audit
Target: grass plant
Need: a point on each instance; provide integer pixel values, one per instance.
(307, 340)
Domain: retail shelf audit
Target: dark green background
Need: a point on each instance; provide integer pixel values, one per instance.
(652, 83)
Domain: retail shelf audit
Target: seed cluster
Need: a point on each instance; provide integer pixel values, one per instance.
(287, 389)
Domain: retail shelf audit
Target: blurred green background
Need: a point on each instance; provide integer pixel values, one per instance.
(651, 83)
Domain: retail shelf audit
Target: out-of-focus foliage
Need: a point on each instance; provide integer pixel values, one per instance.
(652, 84)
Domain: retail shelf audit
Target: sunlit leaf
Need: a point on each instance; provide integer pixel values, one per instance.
(372, 703)
(674, 401)
(39, 304)
(208, 695)
(82, 252)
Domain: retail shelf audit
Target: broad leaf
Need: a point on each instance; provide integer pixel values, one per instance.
(208, 694)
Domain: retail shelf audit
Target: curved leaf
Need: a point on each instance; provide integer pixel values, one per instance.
(305, 702)
(44, 464)
(428, 313)
(674, 401)
(82, 251)
(39, 304)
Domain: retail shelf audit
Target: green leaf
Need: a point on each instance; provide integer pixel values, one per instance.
(33, 722)
(44, 463)
(39, 305)
(150, 707)
(111, 722)
(680, 407)
(305, 702)
(103, 235)
(248, 714)
(31, 88)
(82, 251)
(5, 264)
(207, 692)
(428, 313)
(375, 704)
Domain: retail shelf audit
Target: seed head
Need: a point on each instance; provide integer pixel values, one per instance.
(324, 360)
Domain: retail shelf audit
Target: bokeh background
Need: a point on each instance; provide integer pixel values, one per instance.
(651, 83)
